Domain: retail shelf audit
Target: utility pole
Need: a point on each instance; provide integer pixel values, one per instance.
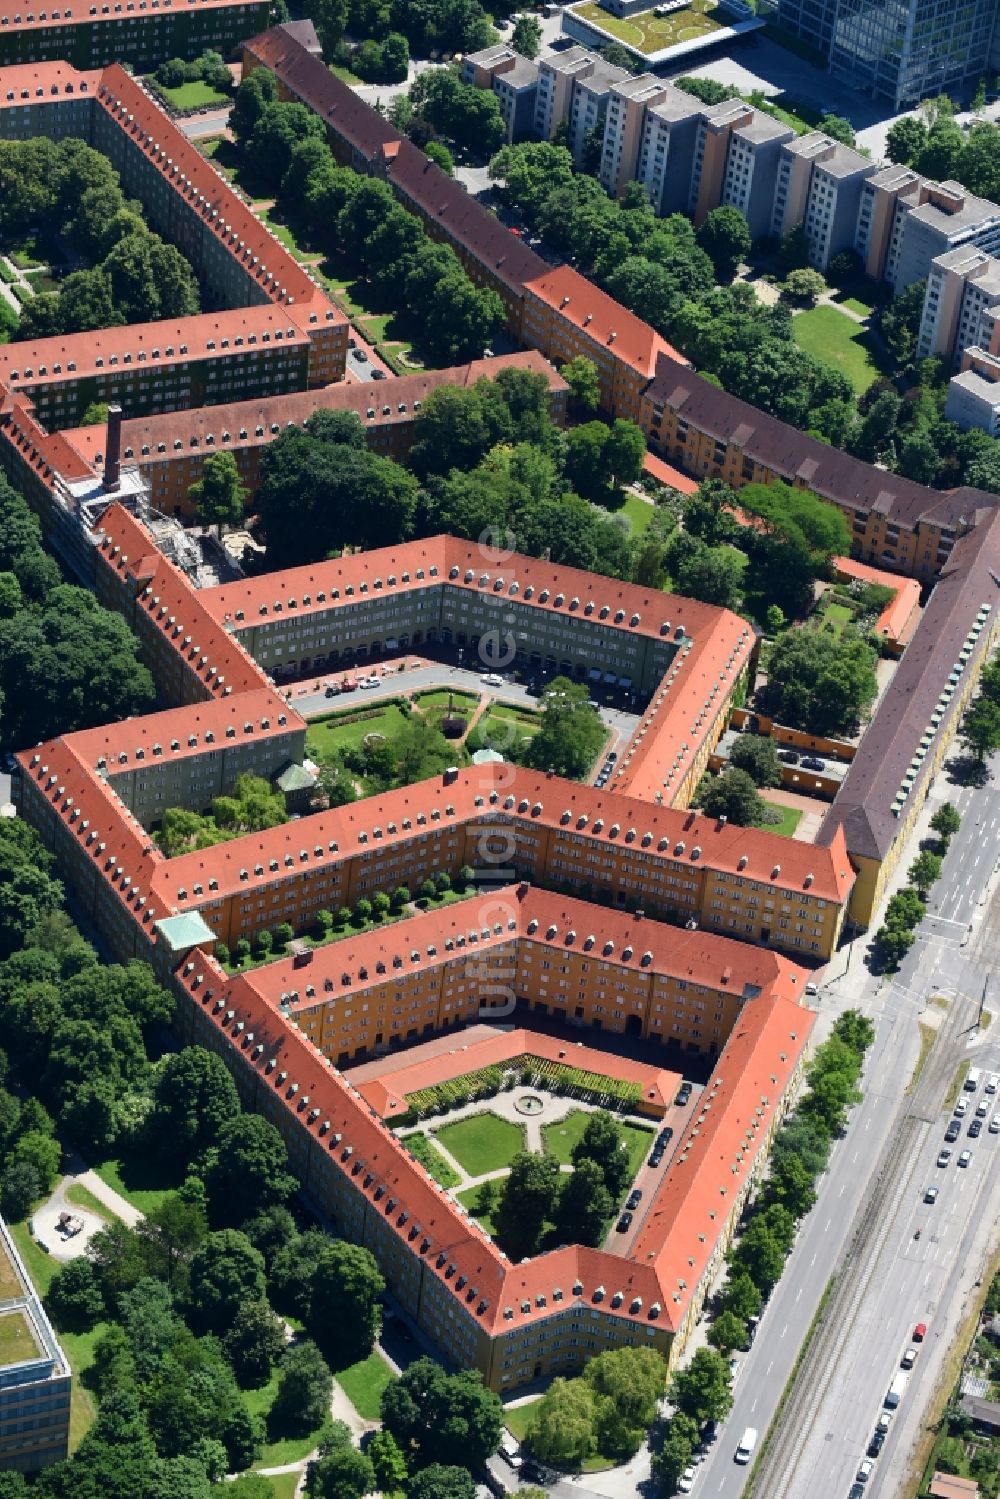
(982, 1002)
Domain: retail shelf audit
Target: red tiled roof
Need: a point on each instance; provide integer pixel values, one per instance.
(665, 473)
(17, 18)
(181, 732)
(605, 321)
(48, 454)
(898, 616)
(394, 405)
(527, 798)
(41, 82)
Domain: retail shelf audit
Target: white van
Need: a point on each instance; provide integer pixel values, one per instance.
(895, 1392)
(972, 1080)
(992, 1081)
(748, 1442)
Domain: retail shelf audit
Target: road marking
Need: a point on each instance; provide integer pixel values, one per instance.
(769, 1368)
(813, 1260)
(784, 1330)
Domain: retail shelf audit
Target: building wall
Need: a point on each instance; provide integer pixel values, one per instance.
(133, 33)
(666, 158)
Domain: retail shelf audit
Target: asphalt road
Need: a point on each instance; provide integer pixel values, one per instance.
(870, 1203)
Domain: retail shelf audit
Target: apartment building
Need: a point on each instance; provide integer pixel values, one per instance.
(35, 1377)
(623, 129)
(589, 100)
(557, 75)
(565, 315)
(961, 305)
(544, 1316)
(974, 395)
(906, 222)
(667, 149)
(896, 524)
(818, 185)
(513, 79)
(903, 52)
(136, 33)
(49, 98)
(170, 448)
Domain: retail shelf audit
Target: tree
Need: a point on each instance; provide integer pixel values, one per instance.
(925, 869)
(727, 1332)
(584, 1205)
(441, 1481)
(219, 496)
(580, 375)
(899, 323)
(757, 755)
(20, 1189)
(760, 1255)
(571, 733)
(725, 237)
(628, 1384)
(434, 1415)
(676, 1451)
(836, 126)
(741, 1297)
(226, 1272)
(247, 1170)
(804, 285)
(791, 1184)
(527, 1203)
(344, 1473)
(893, 943)
(702, 1390)
(254, 1343)
(819, 684)
(601, 458)
(561, 1430)
(526, 37)
(906, 140)
(74, 1297)
(604, 1143)
(734, 795)
(305, 1388)
(713, 574)
(345, 1300)
(946, 822)
(193, 1096)
(441, 156)
(170, 1233)
(980, 729)
(388, 1462)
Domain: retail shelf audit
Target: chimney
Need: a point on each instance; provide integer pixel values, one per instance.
(113, 450)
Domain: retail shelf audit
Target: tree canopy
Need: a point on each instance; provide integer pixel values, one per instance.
(440, 1418)
(571, 732)
(819, 684)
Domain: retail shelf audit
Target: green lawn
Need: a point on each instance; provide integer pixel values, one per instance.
(790, 819)
(431, 1159)
(838, 341)
(647, 32)
(83, 1198)
(468, 1199)
(277, 1450)
(143, 1183)
(284, 1484)
(560, 1138)
(17, 1343)
(363, 1384)
(197, 95)
(638, 512)
(517, 1418)
(833, 618)
(464, 702)
(483, 1142)
(344, 74)
(325, 736)
(507, 729)
(285, 234)
(855, 304)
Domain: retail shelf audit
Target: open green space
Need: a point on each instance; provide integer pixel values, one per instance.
(17, 1342)
(326, 736)
(463, 702)
(469, 1199)
(10, 1286)
(284, 233)
(427, 1153)
(638, 513)
(142, 1182)
(648, 32)
(559, 1139)
(197, 95)
(506, 729)
(344, 74)
(363, 1384)
(81, 1197)
(832, 616)
(855, 304)
(482, 1142)
(790, 819)
(517, 1418)
(277, 1449)
(284, 1485)
(837, 340)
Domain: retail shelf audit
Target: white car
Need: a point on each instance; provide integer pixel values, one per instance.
(909, 1358)
(995, 1125)
(965, 1158)
(865, 1471)
(686, 1481)
(492, 680)
(961, 1108)
(369, 682)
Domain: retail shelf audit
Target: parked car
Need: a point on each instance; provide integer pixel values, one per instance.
(624, 1223)
(369, 681)
(664, 1137)
(961, 1108)
(789, 757)
(983, 1108)
(491, 680)
(875, 1445)
(920, 1332)
(944, 1156)
(378, 374)
(686, 1481)
(683, 1094)
(965, 1158)
(995, 1125)
(813, 762)
(655, 1156)
(331, 691)
(975, 1129)
(909, 1359)
(953, 1131)
(931, 1195)
(634, 1198)
(865, 1471)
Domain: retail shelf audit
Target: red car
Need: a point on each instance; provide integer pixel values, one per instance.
(920, 1332)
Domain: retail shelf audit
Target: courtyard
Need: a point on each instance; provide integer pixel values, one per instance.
(837, 339)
